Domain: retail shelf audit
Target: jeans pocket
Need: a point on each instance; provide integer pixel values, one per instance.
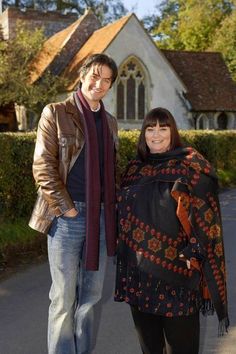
(70, 217)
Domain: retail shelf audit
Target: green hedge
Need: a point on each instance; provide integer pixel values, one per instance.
(17, 187)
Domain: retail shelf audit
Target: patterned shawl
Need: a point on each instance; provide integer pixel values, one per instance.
(151, 237)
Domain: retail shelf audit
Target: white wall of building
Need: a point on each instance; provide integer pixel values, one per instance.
(165, 88)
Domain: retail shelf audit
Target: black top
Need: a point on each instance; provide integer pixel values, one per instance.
(76, 178)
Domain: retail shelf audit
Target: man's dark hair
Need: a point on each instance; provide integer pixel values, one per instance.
(100, 60)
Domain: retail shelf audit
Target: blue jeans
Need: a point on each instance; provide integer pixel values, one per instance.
(74, 290)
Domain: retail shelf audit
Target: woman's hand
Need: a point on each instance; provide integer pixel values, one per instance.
(183, 258)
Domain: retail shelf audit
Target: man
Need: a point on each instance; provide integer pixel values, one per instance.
(73, 166)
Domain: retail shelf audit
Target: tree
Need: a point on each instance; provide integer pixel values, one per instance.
(106, 10)
(196, 25)
(224, 41)
(15, 58)
(164, 27)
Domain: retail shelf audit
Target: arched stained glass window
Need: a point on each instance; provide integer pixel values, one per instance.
(120, 99)
(130, 98)
(141, 100)
(131, 91)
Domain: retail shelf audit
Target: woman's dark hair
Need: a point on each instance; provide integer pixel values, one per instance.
(100, 60)
(165, 119)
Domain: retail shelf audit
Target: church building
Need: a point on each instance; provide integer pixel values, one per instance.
(195, 86)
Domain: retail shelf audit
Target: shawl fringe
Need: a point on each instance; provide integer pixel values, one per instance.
(223, 326)
(207, 307)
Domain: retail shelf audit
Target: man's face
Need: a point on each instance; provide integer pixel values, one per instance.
(96, 83)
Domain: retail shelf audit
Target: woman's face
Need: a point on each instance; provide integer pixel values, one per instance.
(158, 138)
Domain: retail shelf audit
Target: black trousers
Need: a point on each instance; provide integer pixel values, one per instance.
(160, 335)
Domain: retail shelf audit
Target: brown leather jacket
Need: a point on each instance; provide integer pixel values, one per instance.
(60, 139)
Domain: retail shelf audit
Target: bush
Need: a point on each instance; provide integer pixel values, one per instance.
(18, 190)
(17, 187)
(127, 147)
(219, 147)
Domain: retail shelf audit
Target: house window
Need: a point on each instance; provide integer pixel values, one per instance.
(202, 122)
(131, 92)
(222, 121)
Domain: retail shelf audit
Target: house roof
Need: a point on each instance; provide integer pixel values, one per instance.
(97, 43)
(206, 76)
(53, 47)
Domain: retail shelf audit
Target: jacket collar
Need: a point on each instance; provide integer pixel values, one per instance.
(75, 114)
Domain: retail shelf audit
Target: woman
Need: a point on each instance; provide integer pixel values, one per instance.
(170, 249)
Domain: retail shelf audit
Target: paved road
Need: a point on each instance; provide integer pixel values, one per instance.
(24, 303)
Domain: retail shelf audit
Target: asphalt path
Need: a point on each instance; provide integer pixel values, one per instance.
(24, 305)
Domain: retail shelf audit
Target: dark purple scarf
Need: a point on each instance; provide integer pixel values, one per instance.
(93, 185)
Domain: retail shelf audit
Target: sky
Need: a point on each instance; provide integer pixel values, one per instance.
(141, 7)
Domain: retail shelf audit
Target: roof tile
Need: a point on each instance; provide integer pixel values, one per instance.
(53, 48)
(206, 76)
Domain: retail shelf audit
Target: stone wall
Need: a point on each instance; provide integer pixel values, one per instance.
(52, 21)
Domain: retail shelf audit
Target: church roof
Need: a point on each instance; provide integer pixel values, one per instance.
(206, 76)
(97, 43)
(54, 46)
(209, 86)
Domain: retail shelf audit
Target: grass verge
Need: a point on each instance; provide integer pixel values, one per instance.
(20, 246)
